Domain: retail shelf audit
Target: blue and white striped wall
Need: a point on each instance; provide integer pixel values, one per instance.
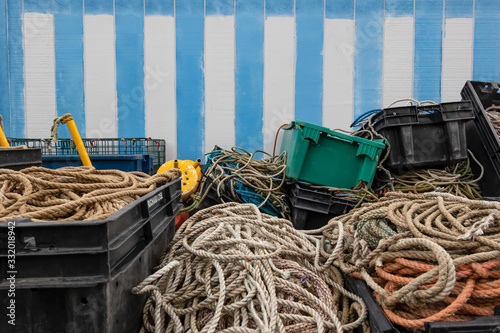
(230, 72)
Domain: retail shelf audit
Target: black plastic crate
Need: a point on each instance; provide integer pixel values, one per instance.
(424, 136)
(306, 200)
(482, 139)
(56, 252)
(87, 304)
(378, 321)
(216, 198)
(19, 158)
(479, 325)
(490, 181)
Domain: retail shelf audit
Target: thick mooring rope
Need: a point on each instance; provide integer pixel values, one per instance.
(428, 257)
(55, 126)
(231, 268)
(72, 193)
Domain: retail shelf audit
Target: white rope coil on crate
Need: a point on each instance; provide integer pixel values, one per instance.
(232, 269)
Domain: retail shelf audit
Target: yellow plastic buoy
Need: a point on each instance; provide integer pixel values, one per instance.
(3, 139)
(191, 175)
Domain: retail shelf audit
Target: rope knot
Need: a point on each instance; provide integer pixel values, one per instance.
(479, 271)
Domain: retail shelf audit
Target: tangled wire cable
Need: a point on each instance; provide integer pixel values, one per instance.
(238, 175)
(428, 257)
(72, 193)
(231, 268)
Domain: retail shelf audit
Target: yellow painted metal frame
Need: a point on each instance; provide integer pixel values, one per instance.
(77, 139)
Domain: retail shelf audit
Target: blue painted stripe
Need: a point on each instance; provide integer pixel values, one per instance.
(4, 69)
(459, 8)
(129, 27)
(249, 74)
(39, 6)
(220, 7)
(279, 7)
(399, 8)
(68, 34)
(487, 41)
(189, 28)
(159, 7)
(368, 48)
(339, 9)
(309, 66)
(96, 7)
(16, 68)
(428, 50)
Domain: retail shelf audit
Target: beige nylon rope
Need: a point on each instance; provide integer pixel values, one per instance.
(72, 193)
(231, 268)
(493, 113)
(457, 179)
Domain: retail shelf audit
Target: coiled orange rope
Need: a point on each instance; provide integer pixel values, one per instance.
(429, 257)
(475, 293)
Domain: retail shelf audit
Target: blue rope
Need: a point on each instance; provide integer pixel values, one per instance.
(246, 194)
(364, 116)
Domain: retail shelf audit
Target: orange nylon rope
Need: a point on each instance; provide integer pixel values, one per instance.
(475, 293)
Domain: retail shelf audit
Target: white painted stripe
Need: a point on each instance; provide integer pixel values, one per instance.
(159, 81)
(100, 76)
(457, 57)
(338, 73)
(39, 73)
(397, 74)
(219, 82)
(279, 76)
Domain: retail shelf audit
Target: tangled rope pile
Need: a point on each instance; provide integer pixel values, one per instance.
(493, 113)
(428, 257)
(72, 193)
(239, 176)
(231, 268)
(456, 179)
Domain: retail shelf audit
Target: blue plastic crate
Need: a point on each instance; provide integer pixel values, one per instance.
(127, 163)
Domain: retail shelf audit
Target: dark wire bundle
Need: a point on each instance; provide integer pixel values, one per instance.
(236, 175)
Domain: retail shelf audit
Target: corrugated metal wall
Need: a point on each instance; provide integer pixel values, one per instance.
(226, 72)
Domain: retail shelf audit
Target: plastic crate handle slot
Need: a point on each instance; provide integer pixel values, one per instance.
(310, 134)
(368, 150)
(454, 133)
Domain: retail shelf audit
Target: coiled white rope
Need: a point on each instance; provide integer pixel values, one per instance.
(231, 268)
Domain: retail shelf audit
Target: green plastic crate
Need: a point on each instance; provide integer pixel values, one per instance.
(321, 156)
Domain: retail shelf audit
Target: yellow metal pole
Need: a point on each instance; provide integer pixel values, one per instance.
(3, 139)
(78, 140)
